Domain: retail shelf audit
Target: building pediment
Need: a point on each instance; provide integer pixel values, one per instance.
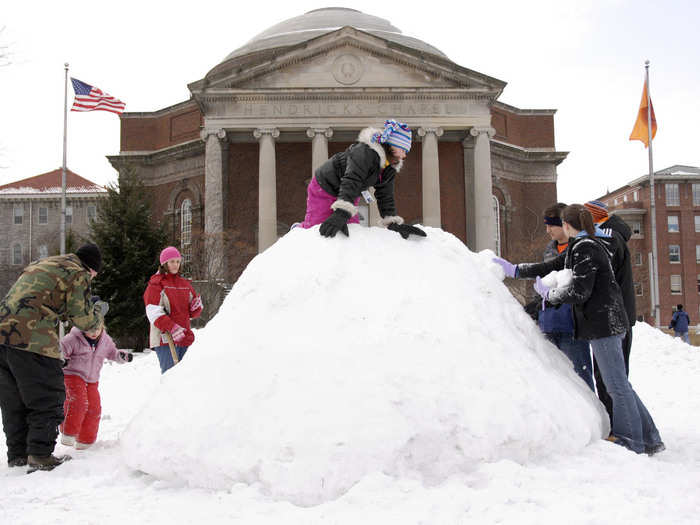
(346, 58)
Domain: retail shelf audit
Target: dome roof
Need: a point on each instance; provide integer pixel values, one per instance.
(321, 21)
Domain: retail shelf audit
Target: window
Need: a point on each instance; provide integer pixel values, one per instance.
(43, 215)
(18, 211)
(624, 198)
(186, 229)
(673, 224)
(673, 196)
(636, 227)
(636, 196)
(69, 214)
(91, 212)
(638, 289)
(674, 253)
(497, 224)
(638, 258)
(43, 251)
(696, 194)
(698, 283)
(17, 254)
(616, 201)
(675, 284)
(697, 223)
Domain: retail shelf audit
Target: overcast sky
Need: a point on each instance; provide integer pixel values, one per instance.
(583, 58)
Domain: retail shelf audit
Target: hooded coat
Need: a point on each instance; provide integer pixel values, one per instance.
(361, 166)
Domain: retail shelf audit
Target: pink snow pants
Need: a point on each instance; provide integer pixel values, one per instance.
(318, 206)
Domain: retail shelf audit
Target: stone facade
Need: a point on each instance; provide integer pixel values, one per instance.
(243, 149)
(30, 215)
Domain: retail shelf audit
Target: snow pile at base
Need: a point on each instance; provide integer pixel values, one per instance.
(336, 359)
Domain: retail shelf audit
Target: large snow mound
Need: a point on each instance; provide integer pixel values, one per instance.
(336, 359)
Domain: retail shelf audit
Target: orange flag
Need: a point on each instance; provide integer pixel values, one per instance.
(641, 126)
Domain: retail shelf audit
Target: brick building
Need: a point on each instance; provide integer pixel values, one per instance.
(30, 218)
(233, 161)
(677, 203)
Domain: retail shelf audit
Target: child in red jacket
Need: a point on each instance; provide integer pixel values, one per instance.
(170, 304)
(84, 354)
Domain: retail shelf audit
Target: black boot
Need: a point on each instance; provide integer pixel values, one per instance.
(49, 462)
(19, 461)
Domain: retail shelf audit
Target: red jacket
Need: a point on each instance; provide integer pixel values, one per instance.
(167, 299)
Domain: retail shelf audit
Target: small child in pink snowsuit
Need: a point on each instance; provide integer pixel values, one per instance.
(85, 353)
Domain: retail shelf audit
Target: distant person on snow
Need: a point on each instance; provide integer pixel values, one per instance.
(679, 323)
(170, 304)
(599, 317)
(84, 353)
(372, 161)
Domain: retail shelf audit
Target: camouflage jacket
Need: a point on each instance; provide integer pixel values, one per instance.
(48, 291)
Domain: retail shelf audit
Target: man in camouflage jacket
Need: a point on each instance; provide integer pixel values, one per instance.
(32, 390)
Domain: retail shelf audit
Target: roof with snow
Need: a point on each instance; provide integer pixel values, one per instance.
(50, 183)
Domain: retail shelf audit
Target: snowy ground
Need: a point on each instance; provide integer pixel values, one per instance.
(595, 484)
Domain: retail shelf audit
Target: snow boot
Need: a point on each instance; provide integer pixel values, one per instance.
(20, 461)
(67, 440)
(49, 462)
(82, 446)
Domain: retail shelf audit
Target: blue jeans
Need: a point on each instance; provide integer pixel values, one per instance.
(165, 358)
(578, 352)
(631, 423)
(682, 335)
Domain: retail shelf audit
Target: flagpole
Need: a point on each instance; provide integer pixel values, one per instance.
(654, 251)
(63, 168)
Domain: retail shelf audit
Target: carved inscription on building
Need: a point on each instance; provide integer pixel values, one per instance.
(341, 109)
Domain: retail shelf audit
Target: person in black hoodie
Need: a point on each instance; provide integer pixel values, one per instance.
(600, 317)
(622, 265)
(372, 161)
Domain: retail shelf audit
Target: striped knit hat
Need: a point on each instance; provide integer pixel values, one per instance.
(598, 209)
(395, 134)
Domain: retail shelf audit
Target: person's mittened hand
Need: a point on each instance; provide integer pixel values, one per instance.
(406, 229)
(196, 303)
(338, 221)
(510, 269)
(102, 307)
(126, 356)
(178, 333)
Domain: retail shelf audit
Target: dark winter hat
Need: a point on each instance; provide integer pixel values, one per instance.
(89, 254)
(679, 307)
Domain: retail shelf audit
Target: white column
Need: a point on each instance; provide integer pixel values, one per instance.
(431, 176)
(468, 145)
(215, 188)
(483, 201)
(319, 146)
(267, 188)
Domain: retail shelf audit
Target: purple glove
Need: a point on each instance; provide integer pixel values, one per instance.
(541, 289)
(510, 269)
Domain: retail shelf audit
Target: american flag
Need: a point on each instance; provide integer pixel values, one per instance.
(90, 98)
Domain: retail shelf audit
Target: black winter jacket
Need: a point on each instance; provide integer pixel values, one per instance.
(348, 173)
(595, 295)
(622, 263)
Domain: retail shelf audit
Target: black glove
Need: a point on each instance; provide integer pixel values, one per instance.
(406, 229)
(126, 356)
(102, 307)
(338, 221)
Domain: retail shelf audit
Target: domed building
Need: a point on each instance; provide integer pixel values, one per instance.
(229, 167)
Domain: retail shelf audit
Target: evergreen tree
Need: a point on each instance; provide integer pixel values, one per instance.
(130, 244)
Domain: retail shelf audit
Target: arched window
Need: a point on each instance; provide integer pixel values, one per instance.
(497, 224)
(186, 229)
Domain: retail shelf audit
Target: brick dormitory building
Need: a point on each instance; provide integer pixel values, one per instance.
(677, 201)
(234, 160)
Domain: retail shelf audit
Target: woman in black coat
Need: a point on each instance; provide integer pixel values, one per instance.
(599, 316)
